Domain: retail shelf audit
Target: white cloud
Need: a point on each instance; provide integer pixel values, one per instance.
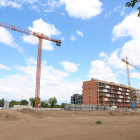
(28, 1)
(84, 9)
(116, 9)
(102, 54)
(35, 7)
(79, 33)
(130, 26)
(69, 67)
(4, 67)
(101, 71)
(63, 14)
(42, 27)
(52, 83)
(120, 72)
(62, 38)
(5, 3)
(48, 10)
(7, 38)
(73, 38)
(135, 75)
(108, 14)
(30, 61)
(53, 4)
(115, 61)
(122, 12)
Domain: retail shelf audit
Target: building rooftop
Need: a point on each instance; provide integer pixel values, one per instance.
(111, 83)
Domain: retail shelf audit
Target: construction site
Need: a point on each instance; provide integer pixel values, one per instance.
(115, 106)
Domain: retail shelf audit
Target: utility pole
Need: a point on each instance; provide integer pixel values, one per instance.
(22, 100)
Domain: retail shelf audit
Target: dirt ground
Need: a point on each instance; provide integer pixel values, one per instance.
(69, 125)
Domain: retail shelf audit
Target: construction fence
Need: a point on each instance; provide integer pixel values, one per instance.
(78, 107)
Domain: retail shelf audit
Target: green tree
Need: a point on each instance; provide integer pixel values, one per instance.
(63, 105)
(132, 4)
(32, 100)
(24, 102)
(2, 103)
(58, 106)
(44, 103)
(52, 102)
(13, 102)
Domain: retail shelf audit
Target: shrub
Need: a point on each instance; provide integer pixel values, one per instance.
(98, 122)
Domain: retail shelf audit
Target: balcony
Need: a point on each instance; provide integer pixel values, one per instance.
(105, 90)
(127, 101)
(118, 92)
(112, 100)
(127, 93)
(128, 90)
(106, 99)
(112, 96)
(107, 86)
(119, 88)
(107, 95)
(128, 97)
(119, 100)
(101, 85)
(124, 101)
(120, 96)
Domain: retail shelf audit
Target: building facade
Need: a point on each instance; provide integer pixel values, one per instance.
(76, 99)
(115, 94)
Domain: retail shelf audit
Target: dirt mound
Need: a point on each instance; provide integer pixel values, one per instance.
(5, 116)
(63, 114)
(122, 113)
(35, 113)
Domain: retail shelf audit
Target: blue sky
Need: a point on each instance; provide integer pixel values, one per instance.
(95, 35)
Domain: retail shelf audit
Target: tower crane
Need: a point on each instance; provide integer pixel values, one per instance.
(41, 37)
(128, 76)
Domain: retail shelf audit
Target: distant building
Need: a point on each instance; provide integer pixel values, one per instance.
(115, 94)
(76, 99)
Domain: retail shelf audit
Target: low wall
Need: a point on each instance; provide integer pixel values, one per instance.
(76, 107)
(36, 108)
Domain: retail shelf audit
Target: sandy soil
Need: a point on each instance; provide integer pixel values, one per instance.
(69, 125)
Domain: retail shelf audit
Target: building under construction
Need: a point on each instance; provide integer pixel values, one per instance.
(109, 94)
(76, 99)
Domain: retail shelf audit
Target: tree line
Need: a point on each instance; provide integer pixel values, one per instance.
(50, 103)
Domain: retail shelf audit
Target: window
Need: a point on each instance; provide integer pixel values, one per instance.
(89, 87)
(89, 83)
(89, 96)
(89, 92)
(89, 101)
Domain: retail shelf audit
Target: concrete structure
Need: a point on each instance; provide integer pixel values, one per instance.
(19, 107)
(136, 97)
(6, 105)
(76, 107)
(76, 99)
(115, 94)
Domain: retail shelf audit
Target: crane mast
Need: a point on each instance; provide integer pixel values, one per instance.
(41, 37)
(128, 75)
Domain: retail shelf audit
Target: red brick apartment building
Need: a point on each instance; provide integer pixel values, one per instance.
(115, 94)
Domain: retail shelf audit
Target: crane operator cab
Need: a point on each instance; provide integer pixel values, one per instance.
(58, 43)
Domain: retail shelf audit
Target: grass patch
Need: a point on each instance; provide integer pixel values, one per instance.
(98, 122)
